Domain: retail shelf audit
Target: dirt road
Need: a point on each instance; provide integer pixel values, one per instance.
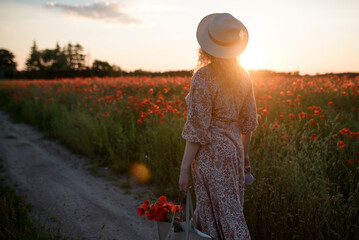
(64, 195)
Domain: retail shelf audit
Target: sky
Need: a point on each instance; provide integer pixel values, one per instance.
(308, 36)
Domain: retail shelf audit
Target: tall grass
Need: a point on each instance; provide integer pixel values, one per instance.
(306, 181)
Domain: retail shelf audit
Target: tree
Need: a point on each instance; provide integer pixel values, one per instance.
(7, 64)
(101, 68)
(33, 63)
(60, 63)
(79, 57)
(75, 57)
(117, 71)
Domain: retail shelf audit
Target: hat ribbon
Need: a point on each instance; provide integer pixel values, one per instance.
(225, 44)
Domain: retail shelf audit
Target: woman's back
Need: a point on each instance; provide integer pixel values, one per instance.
(218, 106)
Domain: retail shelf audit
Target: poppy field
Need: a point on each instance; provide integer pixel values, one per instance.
(304, 153)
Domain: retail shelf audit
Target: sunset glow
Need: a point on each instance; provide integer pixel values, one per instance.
(160, 35)
(252, 60)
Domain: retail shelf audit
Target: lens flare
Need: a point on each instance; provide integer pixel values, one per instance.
(140, 172)
(251, 60)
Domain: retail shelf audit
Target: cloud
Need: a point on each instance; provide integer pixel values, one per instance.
(107, 11)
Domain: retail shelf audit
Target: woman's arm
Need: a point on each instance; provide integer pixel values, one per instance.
(246, 139)
(188, 156)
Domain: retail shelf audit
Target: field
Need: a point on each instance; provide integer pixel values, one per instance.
(304, 153)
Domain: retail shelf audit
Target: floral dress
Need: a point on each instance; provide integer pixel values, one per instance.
(216, 121)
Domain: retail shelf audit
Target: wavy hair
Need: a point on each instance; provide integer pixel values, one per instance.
(227, 72)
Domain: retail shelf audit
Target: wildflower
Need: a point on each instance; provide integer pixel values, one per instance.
(330, 103)
(292, 116)
(313, 137)
(309, 115)
(344, 131)
(341, 144)
(141, 210)
(352, 134)
(302, 115)
(264, 112)
(352, 161)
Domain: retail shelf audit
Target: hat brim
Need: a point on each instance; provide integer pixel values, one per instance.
(216, 50)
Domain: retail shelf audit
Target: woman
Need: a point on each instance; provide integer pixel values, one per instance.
(221, 117)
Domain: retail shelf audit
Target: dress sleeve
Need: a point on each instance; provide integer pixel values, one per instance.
(248, 116)
(199, 112)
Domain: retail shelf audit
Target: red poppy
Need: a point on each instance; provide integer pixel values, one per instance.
(313, 137)
(344, 131)
(159, 211)
(302, 115)
(292, 116)
(309, 115)
(352, 161)
(264, 112)
(341, 144)
(352, 134)
(162, 199)
(141, 210)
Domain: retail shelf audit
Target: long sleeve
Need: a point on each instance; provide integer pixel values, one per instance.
(199, 114)
(248, 116)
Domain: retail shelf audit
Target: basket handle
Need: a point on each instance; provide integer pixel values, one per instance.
(189, 210)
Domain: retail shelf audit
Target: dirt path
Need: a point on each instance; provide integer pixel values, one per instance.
(64, 195)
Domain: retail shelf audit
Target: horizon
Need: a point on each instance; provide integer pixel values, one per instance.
(159, 36)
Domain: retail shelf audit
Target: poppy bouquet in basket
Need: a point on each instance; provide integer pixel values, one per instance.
(161, 211)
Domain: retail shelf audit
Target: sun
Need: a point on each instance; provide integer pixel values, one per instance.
(251, 60)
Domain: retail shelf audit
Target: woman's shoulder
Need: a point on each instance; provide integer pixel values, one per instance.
(244, 74)
(245, 78)
(202, 75)
(203, 72)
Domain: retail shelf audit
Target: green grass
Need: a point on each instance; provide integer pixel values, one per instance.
(303, 189)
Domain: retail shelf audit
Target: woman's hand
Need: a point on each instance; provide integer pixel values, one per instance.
(184, 179)
(247, 164)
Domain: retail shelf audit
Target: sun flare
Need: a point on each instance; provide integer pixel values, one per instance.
(251, 60)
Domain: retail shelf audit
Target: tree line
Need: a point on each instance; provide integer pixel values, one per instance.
(70, 61)
(64, 62)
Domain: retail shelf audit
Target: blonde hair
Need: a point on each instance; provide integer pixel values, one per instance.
(227, 72)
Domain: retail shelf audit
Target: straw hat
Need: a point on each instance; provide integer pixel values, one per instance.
(222, 35)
